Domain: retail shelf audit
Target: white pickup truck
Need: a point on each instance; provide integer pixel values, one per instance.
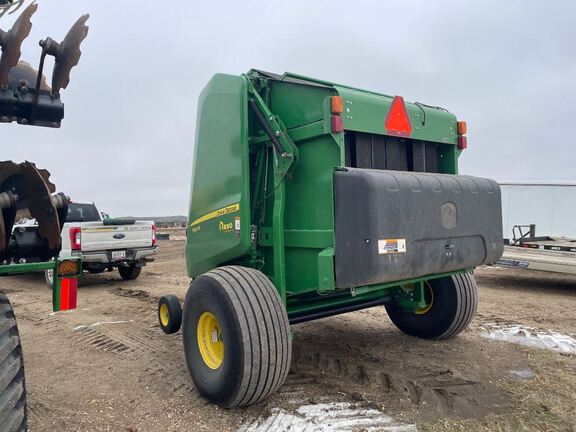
(105, 244)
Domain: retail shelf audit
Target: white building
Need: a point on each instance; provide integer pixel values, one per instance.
(550, 205)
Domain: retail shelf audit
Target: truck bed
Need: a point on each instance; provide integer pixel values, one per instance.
(99, 237)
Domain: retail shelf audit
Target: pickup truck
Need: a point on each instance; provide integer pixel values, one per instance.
(106, 243)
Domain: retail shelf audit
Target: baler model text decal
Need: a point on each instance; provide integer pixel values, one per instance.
(233, 208)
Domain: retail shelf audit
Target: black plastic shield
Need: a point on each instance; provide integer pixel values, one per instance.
(395, 225)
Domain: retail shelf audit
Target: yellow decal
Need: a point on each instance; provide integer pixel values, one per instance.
(217, 213)
(225, 226)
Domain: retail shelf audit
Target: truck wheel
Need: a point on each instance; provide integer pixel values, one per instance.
(169, 314)
(129, 273)
(49, 277)
(12, 385)
(236, 336)
(452, 305)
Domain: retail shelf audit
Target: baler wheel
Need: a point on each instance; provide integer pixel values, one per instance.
(12, 384)
(236, 336)
(453, 303)
(169, 314)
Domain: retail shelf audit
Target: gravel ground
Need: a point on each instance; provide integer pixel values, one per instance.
(108, 367)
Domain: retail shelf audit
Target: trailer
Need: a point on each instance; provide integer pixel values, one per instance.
(528, 251)
(311, 199)
(550, 206)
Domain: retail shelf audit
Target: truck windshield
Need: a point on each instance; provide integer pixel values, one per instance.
(82, 213)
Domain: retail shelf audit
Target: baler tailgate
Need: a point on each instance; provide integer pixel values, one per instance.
(393, 225)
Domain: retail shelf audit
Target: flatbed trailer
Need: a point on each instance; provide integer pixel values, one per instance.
(527, 251)
(539, 259)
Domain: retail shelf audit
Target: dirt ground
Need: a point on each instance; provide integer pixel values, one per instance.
(108, 367)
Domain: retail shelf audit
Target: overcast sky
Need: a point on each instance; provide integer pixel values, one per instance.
(507, 68)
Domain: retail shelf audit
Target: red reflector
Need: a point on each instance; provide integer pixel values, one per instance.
(462, 142)
(337, 125)
(397, 122)
(67, 295)
(153, 234)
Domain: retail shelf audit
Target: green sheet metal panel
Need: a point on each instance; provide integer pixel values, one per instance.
(366, 112)
(309, 213)
(219, 216)
(298, 104)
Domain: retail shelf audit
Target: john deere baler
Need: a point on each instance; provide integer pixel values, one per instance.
(311, 199)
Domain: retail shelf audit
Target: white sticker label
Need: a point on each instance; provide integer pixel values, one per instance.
(237, 224)
(391, 246)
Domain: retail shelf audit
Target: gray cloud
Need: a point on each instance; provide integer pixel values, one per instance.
(507, 68)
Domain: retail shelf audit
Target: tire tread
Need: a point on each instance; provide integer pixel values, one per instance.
(13, 407)
(467, 301)
(264, 321)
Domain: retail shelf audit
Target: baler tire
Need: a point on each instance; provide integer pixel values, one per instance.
(129, 273)
(454, 306)
(169, 314)
(253, 328)
(13, 408)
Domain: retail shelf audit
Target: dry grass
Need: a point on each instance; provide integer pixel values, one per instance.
(544, 403)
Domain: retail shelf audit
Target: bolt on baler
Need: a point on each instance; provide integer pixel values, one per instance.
(311, 199)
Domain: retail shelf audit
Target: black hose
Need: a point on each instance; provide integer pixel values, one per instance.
(277, 144)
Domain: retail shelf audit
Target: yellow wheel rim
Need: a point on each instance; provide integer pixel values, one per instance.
(429, 297)
(164, 314)
(209, 334)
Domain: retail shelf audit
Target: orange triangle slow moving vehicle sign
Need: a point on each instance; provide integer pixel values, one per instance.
(397, 122)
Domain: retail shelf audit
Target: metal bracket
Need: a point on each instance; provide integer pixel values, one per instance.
(286, 152)
(412, 298)
(326, 270)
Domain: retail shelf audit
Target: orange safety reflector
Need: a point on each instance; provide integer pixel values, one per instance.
(67, 268)
(336, 105)
(462, 128)
(397, 122)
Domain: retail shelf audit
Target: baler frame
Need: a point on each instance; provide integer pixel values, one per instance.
(280, 142)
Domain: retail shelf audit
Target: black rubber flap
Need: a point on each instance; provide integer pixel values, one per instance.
(395, 225)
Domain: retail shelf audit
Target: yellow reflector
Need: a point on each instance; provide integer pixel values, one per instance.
(336, 105)
(462, 129)
(67, 268)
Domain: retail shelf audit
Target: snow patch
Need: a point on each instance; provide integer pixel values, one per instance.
(530, 337)
(67, 311)
(328, 417)
(80, 327)
(523, 374)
